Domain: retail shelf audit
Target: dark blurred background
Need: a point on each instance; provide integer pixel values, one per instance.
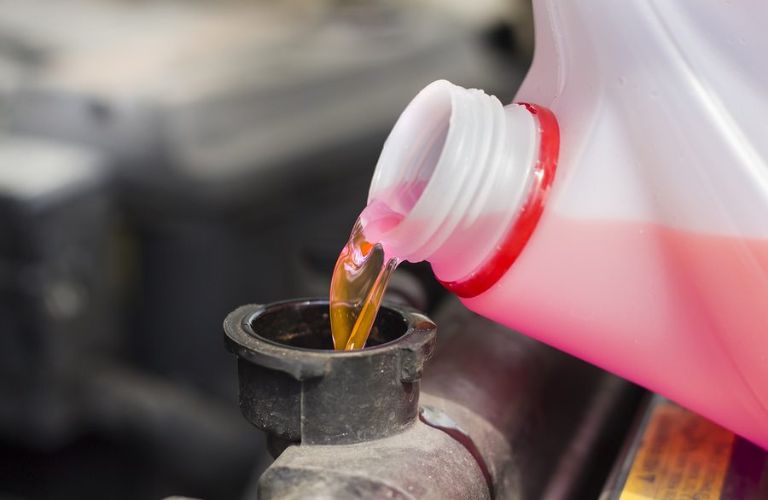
(162, 162)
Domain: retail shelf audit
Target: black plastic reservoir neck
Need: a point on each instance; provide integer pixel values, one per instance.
(294, 386)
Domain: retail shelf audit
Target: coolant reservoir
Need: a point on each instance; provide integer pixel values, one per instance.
(621, 214)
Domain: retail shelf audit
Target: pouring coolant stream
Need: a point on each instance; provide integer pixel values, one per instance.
(622, 218)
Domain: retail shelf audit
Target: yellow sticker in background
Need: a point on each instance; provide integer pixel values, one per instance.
(682, 456)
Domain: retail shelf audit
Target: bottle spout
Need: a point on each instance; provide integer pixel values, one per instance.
(463, 170)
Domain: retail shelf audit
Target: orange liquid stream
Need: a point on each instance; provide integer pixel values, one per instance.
(360, 278)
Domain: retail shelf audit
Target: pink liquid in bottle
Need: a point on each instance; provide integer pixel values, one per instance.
(681, 313)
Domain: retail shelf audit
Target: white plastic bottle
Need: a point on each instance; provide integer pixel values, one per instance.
(632, 231)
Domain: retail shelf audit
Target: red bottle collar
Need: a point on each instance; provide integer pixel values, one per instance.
(521, 230)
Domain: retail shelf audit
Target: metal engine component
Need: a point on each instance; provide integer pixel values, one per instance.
(501, 415)
(353, 414)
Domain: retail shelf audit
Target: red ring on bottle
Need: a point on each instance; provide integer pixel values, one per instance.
(513, 243)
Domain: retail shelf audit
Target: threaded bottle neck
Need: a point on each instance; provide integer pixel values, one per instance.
(458, 168)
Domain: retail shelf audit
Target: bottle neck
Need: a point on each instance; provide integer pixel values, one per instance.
(467, 179)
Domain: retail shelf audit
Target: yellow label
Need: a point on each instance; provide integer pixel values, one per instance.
(681, 456)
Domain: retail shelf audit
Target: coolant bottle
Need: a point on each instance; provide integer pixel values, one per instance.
(621, 214)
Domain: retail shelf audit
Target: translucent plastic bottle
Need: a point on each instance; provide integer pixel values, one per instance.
(622, 218)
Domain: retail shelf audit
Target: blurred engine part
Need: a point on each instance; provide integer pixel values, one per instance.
(62, 373)
(206, 96)
(57, 308)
